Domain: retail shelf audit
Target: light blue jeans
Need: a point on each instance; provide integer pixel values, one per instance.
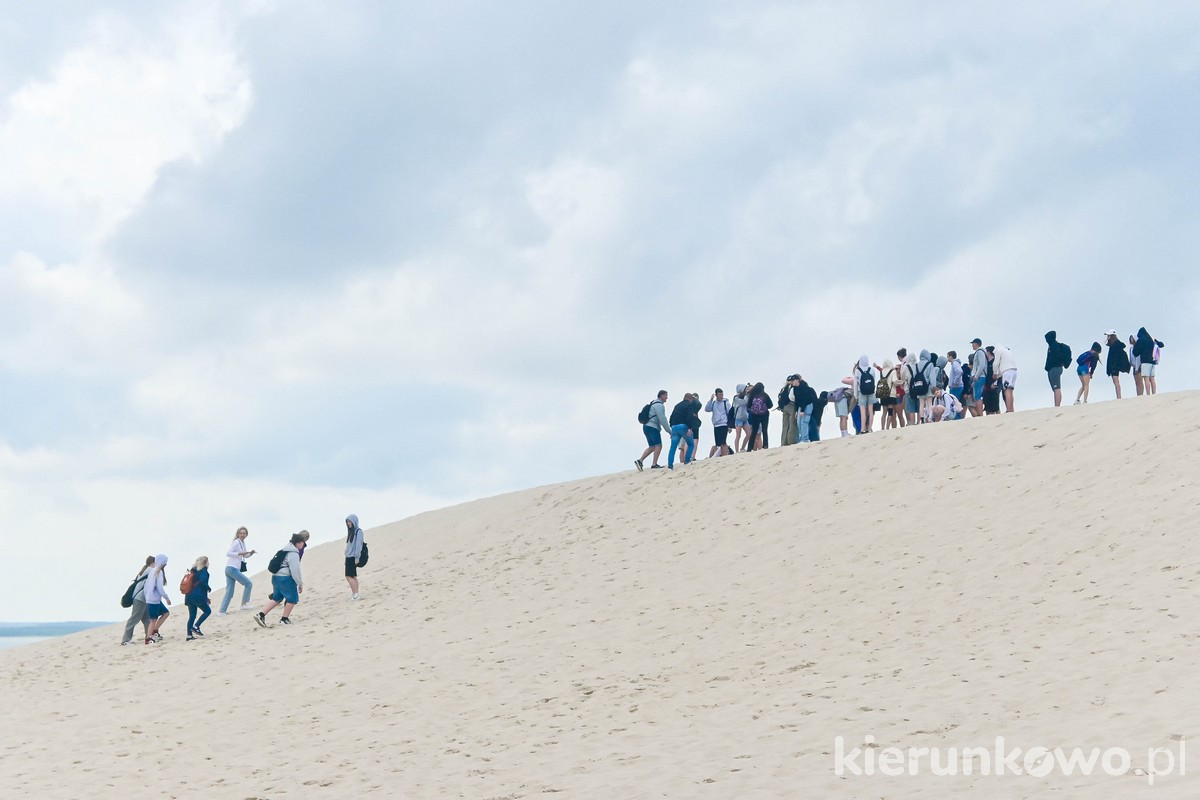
(680, 433)
(234, 575)
(805, 416)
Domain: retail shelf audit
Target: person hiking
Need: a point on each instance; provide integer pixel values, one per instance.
(1135, 367)
(681, 431)
(1058, 358)
(137, 611)
(1085, 368)
(885, 390)
(722, 420)
(235, 572)
(865, 386)
(1117, 361)
(741, 419)
(655, 423)
(992, 390)
(157, 598)
(805, 397)
(818, 412)
(196, 598)
(786, 405)
(759, 405)
(354, 548)
(1006, 370)
(1148, 350)
(287, 584)
(979, 370)
(956, 384)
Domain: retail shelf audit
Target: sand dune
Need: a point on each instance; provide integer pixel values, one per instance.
(701, 634)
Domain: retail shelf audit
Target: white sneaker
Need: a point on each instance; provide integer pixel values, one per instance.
(355, 597)
(247, 607)
(222, 614)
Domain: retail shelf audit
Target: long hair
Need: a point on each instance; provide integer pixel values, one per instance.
(149, 563)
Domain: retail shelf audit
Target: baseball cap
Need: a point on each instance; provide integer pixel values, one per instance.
(1110, 332)
(977, 340)
(792, 377)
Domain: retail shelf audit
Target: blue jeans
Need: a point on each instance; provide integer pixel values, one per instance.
(234, 575)
(805, 417)
(957, 391)
(680, 433)
(192, 608)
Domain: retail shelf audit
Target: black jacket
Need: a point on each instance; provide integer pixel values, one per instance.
(1144, 348)
(803, 394)
(1118, 359)
(1057, 353)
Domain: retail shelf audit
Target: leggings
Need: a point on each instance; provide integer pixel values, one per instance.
(758, 423)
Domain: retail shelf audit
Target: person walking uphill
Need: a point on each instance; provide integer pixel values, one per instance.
(354, 549)
(157, 598)
(681, 431)
(655, 421)
(137, 611)
(196, 598)
(287, 582)
(1058, 358)
(235, 571)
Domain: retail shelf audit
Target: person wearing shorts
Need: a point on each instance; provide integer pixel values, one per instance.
(653, 431)
(1148, 350)
(866, 402)
(286, 584)
(157, 598)
(722, 418)
(979, 368)
(354, 548)
(1006, 367)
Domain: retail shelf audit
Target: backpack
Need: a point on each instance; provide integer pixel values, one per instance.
(758, 404)
(866, 381)
(883, 389)
(918, 384)
(186, 582)
(943, 380)
(362, 557)
(783, 397)
(1065, 351)
(644, 414)
(276, 562)
(127, 598)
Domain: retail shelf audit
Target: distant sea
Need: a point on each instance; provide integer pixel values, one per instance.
(15, 634)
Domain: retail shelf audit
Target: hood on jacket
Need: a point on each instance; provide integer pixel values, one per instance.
(924, 357)
(887, 364)
(941, 362)
(353, 519)
(1051, 337)
(160, 561)
(864, 363)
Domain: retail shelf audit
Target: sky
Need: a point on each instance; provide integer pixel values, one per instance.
(269, 263)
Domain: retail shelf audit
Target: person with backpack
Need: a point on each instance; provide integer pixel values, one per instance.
(841, 398)
(196, 597)
(805, 397)
(287, 582)
(943, 406)
(886, 392)
(354, 551)
(1058, 358)
(137, 608)
(741, 419)
(865, 385)
(979, 369)
(722, 419)
(235, 572)
(654, 420)
(1148, 350)
(916, 386)
(759, 405)
(787, 406)
(1117, 361)
(1085, 368)
(157, 598)
(991, 392)
(955, 383)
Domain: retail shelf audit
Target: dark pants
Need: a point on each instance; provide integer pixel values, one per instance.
(814, 430)
(758, 423)
(194, 623)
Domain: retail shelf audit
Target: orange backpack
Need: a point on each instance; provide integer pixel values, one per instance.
(185, 583)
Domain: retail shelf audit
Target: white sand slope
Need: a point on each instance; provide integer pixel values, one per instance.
(701, 634)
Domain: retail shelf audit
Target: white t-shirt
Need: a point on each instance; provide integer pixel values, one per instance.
(234, 555)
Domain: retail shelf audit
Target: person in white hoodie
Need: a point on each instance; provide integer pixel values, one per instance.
(157, 598)
(137, 612)
(287, 583)
(1006, 369)
(354, 548)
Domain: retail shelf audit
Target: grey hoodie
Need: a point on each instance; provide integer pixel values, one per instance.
(354, 539)
(658, 416)
(291, 564)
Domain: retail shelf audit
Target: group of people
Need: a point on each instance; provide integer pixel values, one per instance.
(912, 390)
(149, 596)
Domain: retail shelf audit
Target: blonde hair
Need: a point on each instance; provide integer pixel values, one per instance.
(201, 562)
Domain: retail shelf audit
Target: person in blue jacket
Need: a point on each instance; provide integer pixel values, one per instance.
(196, 599)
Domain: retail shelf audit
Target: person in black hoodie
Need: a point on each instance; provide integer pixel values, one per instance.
(805, 398)
(681, 430)
(759, 403)
(1058, 358)
(1147, 349)
(814, 424)
(1117, 361)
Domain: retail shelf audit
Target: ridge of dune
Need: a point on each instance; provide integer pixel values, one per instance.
(702, 633)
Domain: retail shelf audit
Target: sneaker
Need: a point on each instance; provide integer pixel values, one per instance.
(125, 643)
(247, 607)
(355, 597)
(261, 619)
(191, 638)
(637, 462)
(284, 621)
(157, 636)
(656, 466)
(198, 632)
(222, 614)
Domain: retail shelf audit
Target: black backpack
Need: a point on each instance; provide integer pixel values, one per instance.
(918, 385)
(1065, 353)
(644, 414)
(276, 562)
(127, 598)
(362, 557)
(783, 397)
(866, 381)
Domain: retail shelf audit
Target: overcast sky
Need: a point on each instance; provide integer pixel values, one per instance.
(270, 263)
